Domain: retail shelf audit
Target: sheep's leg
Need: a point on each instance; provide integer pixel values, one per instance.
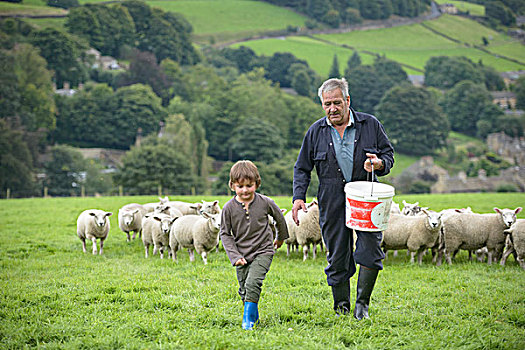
(174, 254)
(420, 256)
(155, 249)
(305, 251)
(83, 244)
(505, 256)
(489, 261)
(287, 250)
(128, 237)
(101, 246)
(94, 240)
(314, 251)
(134, 235)
(395, 253)
(470, 255)
(204, 256)
(522, 262)
(190, 252)
(161, 251)
(412, 254)
(146, 248)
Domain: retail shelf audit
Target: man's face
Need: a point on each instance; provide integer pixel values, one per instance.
(336, 107)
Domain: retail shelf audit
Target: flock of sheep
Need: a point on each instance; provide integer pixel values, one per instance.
(174, 225)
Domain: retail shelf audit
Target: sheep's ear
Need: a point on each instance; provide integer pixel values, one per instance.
(109, 213)
(206, 215)
(135, 211)
(517, 210)
(424, 210)
(157, 218)
(416, 204)
(404, 202)
(497, 210)
(215, 202)
(92, 213)
(283, 211)
(508, 231)
(173, 220)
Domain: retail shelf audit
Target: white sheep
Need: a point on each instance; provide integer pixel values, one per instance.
(150, 207)
(395, 208)
(410, 209)
(516, 243)
(210, 207)
(439, 249)
(164, 208)
(130, 219)
(415, 233)
(199, 232)
(474, 231)
(291, 241)
(309, 230)
(93, 224)
(185, 207)
(155, 231)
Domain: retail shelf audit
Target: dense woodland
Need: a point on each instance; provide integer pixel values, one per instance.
(211, 104)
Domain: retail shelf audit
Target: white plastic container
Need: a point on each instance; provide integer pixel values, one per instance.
(368, 205)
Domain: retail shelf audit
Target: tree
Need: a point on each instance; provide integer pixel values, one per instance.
(155, 163)
(63, 54)
(353, 61)
(493, 81)
(375, 9)
(501, 13)
(256, 140)
(16, 163)
(390, 69)
(413, 120)
(444, 72)
(278, 65)
(519, 88)
(465, 104)
(301, 82)
(334, 69)
(64, 171)
(26, 89)
(366, 87)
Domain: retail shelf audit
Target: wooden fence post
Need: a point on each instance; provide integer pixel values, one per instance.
(120, 190)
(8, 193)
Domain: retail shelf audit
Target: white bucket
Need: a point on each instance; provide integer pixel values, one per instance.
(368, 205)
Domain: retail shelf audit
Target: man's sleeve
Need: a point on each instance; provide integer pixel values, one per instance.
(386, 151)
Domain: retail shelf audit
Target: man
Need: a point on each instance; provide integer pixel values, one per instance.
(343, 146)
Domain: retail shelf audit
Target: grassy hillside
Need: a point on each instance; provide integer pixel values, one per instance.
(473, 9)
(412, 45)
(54, 296)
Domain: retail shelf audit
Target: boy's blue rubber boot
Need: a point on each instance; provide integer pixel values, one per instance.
(251, 315)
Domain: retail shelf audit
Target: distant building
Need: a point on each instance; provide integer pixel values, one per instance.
(448, 8)
(504, 99)
(510, 77)
(416, 80)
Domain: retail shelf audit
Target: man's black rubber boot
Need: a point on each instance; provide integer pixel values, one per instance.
(341, 294)
(365, 285)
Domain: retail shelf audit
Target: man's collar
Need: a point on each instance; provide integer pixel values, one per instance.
(350, 120)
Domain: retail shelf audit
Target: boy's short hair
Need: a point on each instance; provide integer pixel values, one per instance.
(244, 169)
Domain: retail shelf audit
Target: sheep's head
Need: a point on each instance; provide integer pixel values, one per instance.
(210, 207)
(214, 219)
(165, 222)
(128, 216)
(508, 215)
(100, 217)
(410, 209)
(434, 219)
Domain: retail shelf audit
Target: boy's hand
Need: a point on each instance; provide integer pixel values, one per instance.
(277, 244)
(240, 262)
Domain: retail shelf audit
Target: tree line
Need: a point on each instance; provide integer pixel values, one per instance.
(225, 105)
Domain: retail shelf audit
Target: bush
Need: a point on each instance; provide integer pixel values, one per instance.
(64, 4)
(507, 187)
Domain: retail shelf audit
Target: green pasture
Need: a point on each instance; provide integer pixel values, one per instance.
(227, 20)
(30, 7)
(55, 296)
(473, 9)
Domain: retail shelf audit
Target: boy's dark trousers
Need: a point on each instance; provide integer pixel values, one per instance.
(251, 277)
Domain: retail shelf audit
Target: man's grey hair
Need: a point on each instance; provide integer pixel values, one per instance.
(332, 84)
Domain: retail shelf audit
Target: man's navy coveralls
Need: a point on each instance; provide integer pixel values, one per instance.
(318, 150)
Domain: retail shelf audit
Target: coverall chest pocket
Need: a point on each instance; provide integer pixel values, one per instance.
(321, 163)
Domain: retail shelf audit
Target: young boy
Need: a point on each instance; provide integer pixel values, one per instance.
(247, 236)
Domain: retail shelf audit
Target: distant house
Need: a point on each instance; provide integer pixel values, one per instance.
(104, 62)
(416, 80)
(510, 77)
(504, 99)
(448, 8)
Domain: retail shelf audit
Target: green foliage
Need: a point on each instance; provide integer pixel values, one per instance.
(466, 104)
(353, 61)
(493, 80)
(155, 163)
(97, 117)
(26, 89)
(506, 188)
(496, 10)
(413, 120)
(16, 163)
(368, 83)
(334, 69)
(301, 82)
(64, 171)
(375, 9)
(444, 72)
(519, 89)
(65, 4)
(63, 54)
(278, 65)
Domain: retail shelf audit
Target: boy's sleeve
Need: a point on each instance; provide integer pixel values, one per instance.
(277, 214)
(226, 234)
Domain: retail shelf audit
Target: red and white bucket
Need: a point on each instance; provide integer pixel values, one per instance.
(368, 205)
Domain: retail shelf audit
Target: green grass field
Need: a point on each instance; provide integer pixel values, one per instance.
(473, 9)
(54, 296)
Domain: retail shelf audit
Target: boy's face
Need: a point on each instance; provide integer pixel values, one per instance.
(245, 190)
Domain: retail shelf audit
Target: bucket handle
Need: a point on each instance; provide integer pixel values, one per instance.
(372, 179)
